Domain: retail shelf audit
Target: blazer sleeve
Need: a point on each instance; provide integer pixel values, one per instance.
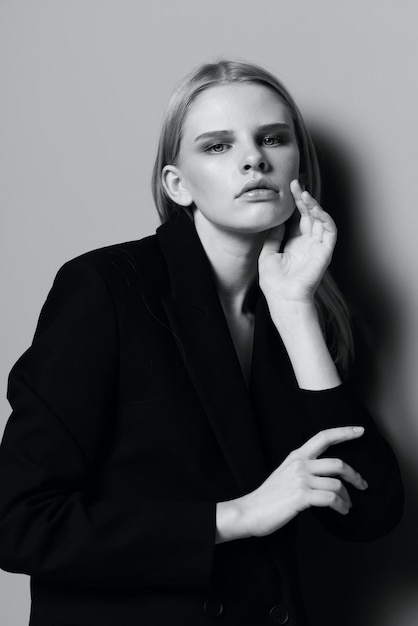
(63, 392)
(378, 509)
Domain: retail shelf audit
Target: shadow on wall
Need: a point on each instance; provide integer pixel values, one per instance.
(372, 584)
(359, 277)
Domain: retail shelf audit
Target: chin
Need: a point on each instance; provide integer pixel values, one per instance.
(254, 219)
(265, 217)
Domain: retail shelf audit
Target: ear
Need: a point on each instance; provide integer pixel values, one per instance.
(174, 186)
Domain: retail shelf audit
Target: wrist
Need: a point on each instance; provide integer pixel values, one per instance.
(294, 315)
(231, 521)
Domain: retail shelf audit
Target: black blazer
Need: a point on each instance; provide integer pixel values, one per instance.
(131, 419)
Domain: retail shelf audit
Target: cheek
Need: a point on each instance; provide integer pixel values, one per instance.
(206, 182)
(286, 164)
(294, 163)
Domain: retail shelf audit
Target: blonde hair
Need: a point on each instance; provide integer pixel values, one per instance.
(332, 309)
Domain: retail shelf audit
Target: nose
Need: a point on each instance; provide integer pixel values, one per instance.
(253, 159)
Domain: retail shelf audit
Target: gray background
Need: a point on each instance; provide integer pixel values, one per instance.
(84, 84)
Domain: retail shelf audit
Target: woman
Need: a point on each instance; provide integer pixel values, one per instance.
(183, 400)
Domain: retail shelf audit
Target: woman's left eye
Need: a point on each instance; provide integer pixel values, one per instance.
(272, 141)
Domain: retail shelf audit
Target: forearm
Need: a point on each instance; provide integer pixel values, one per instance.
(378, 510)
(299, 328)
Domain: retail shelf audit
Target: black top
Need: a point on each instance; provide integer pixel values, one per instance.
(131, 420)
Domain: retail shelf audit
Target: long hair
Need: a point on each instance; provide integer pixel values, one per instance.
(331, 307)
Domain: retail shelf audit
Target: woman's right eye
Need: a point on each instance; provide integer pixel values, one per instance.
(217, 148)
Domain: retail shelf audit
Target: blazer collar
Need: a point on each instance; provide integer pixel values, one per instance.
(196, 317)
(191, 276)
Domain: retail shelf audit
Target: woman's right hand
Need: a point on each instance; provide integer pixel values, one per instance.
(301, 481)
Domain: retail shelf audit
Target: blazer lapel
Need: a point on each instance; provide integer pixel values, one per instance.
(196, 317)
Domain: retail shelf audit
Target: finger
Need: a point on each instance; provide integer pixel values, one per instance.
(308, 200)
(325, 218)
(327, 224)
(306, 205)
(320, 442)
(337, 467)
(321, 498)
(273, 240)
(329, 239)
(317, 212)
(305, 224)
(296, 189)
(331, 484)
(317, 229)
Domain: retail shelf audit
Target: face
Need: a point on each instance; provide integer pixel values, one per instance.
(237, 157)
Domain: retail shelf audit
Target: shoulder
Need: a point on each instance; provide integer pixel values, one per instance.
(130, 256)
(104, 281)
(121, 265)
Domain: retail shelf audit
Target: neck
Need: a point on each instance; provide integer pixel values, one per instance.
(234, 260)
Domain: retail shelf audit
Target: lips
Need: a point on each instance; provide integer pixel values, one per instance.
(259, 183)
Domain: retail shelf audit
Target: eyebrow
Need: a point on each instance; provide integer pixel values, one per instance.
(214, 134)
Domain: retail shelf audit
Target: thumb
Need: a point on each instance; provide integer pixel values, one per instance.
(273, 240)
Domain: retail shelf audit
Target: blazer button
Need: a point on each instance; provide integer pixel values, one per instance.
(279, 614)
(213, 608)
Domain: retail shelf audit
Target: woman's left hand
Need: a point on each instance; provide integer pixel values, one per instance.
(293, 275)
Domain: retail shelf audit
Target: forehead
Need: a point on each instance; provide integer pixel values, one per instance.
(229, 106)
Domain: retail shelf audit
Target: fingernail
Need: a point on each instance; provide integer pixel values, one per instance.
(365, 484)
(358, 429)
